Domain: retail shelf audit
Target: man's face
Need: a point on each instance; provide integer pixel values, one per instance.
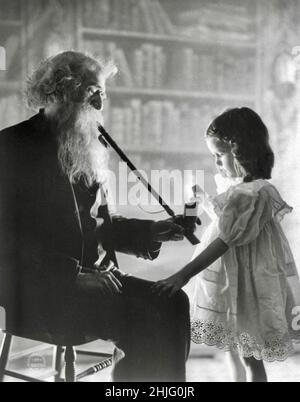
(95, 90)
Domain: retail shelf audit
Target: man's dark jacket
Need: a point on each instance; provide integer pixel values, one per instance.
(46, 234)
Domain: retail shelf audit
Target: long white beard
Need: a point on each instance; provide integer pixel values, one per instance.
(80, 153)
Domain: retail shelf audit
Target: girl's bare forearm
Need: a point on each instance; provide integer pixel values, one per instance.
(208, 256)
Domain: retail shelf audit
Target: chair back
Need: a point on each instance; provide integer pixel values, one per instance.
(2, 319)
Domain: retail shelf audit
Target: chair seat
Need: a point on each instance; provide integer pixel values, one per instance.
(53, 339)
(69, 353)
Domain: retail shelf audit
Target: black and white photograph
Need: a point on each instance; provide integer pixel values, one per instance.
(149, 193)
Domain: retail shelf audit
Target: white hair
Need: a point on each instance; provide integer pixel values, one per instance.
(59, 86)
(62, 78)
(80, 153)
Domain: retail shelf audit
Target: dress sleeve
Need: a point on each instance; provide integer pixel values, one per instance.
(243, 216)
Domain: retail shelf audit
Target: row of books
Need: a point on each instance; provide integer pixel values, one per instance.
(10, 10)
(218, 15)
(193, 70)
(237, 73)
(152, 66)
(211, 20)
(145, 66)
(130, 15)
(218, 20)
(159, 125)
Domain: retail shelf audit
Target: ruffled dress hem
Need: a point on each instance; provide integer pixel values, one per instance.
(214, 334)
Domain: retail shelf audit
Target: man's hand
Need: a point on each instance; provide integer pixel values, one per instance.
(170, 285)
(174, 228)
(189, 223)
(103, 282)
(166, 230)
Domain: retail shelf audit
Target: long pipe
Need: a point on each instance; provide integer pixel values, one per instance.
(108, 140)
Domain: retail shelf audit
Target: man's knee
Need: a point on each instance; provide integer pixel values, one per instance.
(178, 303)
(182, 300)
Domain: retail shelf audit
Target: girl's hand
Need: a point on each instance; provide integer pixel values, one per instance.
(170, 285)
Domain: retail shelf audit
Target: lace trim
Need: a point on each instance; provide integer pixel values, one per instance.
(283, 210)
(214, 334)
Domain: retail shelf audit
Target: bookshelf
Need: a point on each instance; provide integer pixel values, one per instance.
(177, 39)
(172, 81)
(168, 75)
(176, 94)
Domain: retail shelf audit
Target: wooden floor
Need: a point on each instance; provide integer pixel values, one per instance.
(204, 365)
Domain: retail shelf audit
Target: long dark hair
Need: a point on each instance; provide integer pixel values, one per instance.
(246, 133)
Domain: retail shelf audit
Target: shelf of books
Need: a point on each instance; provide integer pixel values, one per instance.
(180, 64)
(163, 38)
(180, 94)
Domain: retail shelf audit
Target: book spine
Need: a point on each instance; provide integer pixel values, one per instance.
(146, 124)
(139, 67)
(158, 67)
(146, 16)
(208, 72)
(188, 57)
(128, 115)
(117, 124)
(158, 27)
(148, 50)
(116, 14)
(135, 16)
(163, 18)
(125, 14)
(176, 135)
(157, 123)
(125, 72)
(167, 114)
(136, 106)
(105, 13)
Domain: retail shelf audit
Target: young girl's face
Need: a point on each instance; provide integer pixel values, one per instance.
(223, 156)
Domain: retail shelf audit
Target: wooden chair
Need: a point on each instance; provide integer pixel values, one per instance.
(63, 347)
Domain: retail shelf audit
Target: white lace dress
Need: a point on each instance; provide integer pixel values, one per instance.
(247, 300)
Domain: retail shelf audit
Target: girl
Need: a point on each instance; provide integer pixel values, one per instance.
(245, 283)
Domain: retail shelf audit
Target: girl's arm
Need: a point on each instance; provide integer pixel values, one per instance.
(208, 256)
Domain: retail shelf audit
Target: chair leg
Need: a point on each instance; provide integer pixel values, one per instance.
(59, 350)
(70, 358)
(5, 349)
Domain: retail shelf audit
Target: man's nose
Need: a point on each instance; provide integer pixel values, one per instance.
(96, 100)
